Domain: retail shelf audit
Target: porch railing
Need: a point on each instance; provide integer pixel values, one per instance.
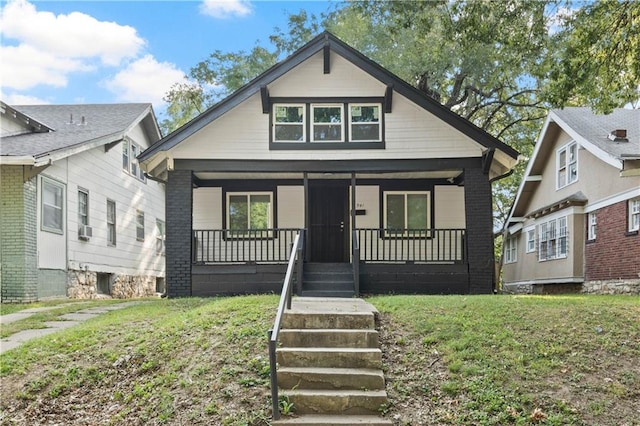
(412, 245)
(245, 246)
(285, 303)
(355, 248)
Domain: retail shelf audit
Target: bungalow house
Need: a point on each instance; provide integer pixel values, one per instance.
(78, 217)
(576, 217)
(375, 175)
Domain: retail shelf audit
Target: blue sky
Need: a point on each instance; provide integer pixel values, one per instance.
(58, 52)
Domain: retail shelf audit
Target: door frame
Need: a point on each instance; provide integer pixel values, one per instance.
(343, 186)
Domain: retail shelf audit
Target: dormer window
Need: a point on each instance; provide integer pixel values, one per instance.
(365, 122)
(327, 123)
(567, 165)
(289, 123)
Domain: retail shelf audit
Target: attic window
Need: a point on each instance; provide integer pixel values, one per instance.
(618, 135)
(567, 165)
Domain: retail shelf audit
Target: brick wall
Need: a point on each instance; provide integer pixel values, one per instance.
(179, 208)
(18, 226)
(615, 254)
(479, 222)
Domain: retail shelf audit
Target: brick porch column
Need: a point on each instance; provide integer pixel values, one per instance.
(179, 206)
(479, 219)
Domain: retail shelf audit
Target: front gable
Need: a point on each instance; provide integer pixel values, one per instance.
(327, 76)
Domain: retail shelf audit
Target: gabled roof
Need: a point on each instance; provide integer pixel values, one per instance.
(590, 131)
(75, 127)
(311, 48)
(23, 119)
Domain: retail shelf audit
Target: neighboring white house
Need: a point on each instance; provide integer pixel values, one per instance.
(78, 217)
(575, 222)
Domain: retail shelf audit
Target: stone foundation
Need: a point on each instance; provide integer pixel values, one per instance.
(631, 287)
(84, 285)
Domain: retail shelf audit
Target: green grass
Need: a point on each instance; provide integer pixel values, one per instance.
(493, 360)
(448, 360)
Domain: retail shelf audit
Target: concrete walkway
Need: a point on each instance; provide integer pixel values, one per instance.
(66, 321)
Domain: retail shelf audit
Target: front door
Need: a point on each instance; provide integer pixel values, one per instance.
(328, 222)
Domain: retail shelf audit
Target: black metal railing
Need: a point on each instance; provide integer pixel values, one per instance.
(285, 303)
(244, 246)
(355, 260)
(412, 245)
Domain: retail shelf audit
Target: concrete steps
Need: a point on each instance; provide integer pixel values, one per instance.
(330, 363)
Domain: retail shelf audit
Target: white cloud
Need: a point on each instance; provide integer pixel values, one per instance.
(17, 99)
(43, 48)
(223, 9)
(144, 80)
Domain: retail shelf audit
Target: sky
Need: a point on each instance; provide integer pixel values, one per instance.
(72, 52)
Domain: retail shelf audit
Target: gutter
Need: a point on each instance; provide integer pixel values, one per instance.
(22, 160)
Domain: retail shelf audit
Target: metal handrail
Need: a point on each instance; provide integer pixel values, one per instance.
(356, 262)
(285, 300)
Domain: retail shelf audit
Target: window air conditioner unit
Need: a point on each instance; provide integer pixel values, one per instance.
(85, 232)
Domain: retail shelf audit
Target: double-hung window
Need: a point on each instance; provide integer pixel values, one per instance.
(553, 239)
(83, 207)
(531, 240)
(111, 223)
(567, 165)
(160, 237)
(289, 123)
(52, 206)
(634, 215)
(593, 224)
(249, 215)
(407, 213)
(139, 225)
(364, 122)
(130, 151)
(511, 249)
(327, 123)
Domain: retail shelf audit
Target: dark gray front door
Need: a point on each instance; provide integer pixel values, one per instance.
(328, 222)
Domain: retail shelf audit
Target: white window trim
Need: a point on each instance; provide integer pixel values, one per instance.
(160, 237)
(592, 226)
(313, 123)
(132, 162)
(379, 122)
(114, 224)
(85, 192)
(236, 234)
(304, 123)
(511, 249)
(634, 212)
(557, 237)
(405, 193)
(140, 226)
(527, 231)
(47, 181)
(567, 149)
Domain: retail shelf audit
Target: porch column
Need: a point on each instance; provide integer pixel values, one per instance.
(479, 219)
(179, 206)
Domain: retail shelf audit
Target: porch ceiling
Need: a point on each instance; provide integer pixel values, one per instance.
(440, 174)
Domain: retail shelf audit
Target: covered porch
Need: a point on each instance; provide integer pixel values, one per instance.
(398, 226)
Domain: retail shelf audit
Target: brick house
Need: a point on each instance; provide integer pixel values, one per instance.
(575, 221)
(78, 217)
(390, 190)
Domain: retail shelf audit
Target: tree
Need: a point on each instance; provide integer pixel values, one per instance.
(597, 59)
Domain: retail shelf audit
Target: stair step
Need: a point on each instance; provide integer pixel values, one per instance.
(330, 357)
(333, 338)
(345, 402)
(328, 284)
(332, 420)
(330, 378)
(328, 267)
(328, 293)
(350, 320)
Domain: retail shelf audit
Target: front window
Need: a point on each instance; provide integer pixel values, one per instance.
(567, 165)
(531, 240)
(407, 213)
(593, 222)
(139, 225)
(553, 239)
(634, 214)
(111, 223)
(511, 250)
(249, 214)
(327, 123)
(365, 122)
(289, 123)
(52, 206)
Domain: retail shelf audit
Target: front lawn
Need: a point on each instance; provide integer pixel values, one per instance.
(455, 360)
